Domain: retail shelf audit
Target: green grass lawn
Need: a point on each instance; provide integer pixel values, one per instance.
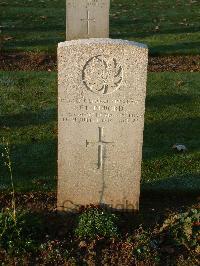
(167, 26)
(28, 120)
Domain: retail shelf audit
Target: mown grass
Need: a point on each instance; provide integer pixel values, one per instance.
(167, 26)
(28, 120)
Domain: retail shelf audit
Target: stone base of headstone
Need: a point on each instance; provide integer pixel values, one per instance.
(101, 105)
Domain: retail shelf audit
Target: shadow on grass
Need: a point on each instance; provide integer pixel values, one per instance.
(125, 25)
(174, 186)
(160, 136)
(160, 101)
(38, 28)
(183, 47)
(43, 116)
(36, 43)
(34, 166)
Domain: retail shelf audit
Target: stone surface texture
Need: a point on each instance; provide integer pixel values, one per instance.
(101, 105)
(87, 19)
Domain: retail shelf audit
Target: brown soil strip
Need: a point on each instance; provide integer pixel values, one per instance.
(45, 62)
(46, 201)
(36, 201)
(175, 64)
(27, 62)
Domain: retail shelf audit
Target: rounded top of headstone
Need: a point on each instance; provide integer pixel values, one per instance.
(103, 41)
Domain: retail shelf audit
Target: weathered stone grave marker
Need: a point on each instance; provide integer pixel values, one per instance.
(101, 104)
(87, 19)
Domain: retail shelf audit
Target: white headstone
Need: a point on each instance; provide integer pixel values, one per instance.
(101, 105)
(87, 19)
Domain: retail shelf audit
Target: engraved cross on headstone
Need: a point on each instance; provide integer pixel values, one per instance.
(88, 20)
(101, 144)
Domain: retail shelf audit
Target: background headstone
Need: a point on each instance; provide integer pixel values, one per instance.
(101, 105)
(87, 19)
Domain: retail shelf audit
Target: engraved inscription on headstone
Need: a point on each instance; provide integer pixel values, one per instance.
(101, 104)
(87, 19)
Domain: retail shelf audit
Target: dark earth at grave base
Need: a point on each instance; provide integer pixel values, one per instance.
(153, 211)
(45, 62)
(149, 202)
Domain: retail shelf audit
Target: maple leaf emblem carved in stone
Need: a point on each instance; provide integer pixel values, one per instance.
(101, 75)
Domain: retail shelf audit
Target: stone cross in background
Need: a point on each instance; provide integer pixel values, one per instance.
(87, 19)
(101, 105)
